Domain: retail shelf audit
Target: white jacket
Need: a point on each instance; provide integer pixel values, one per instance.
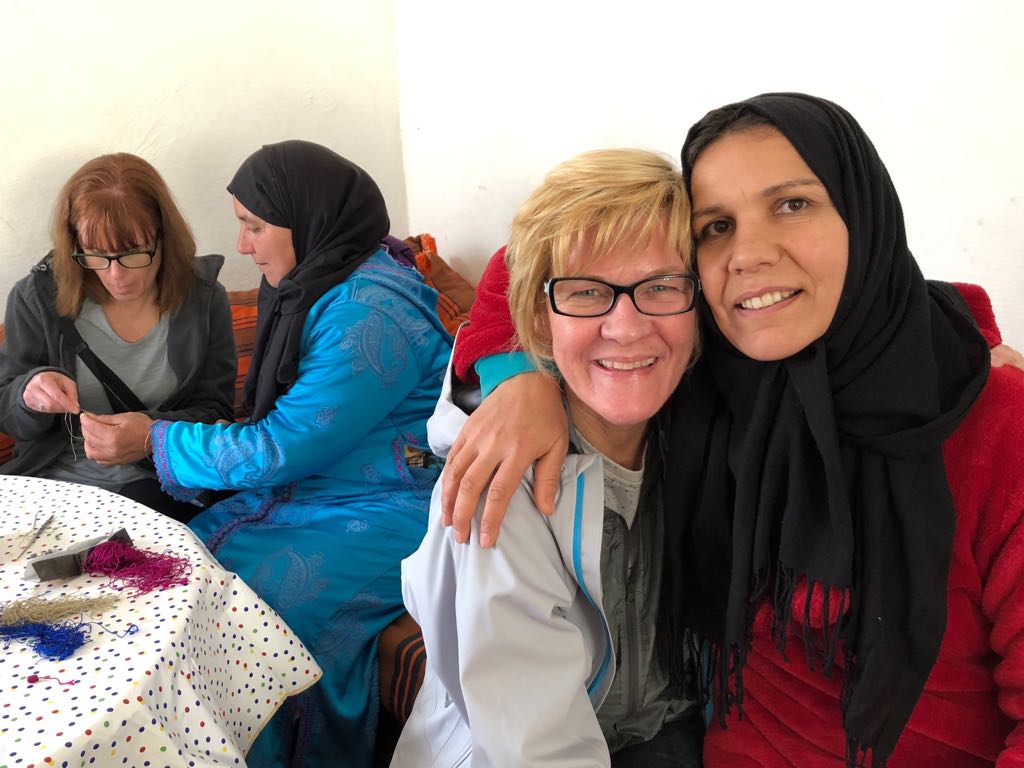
(519, 654)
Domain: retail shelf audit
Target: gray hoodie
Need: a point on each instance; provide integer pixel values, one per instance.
(201, 351)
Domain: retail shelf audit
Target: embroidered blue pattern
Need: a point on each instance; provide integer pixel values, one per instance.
(377, 345)
(325, 416)
(327, 508)
(254, 461)
(287, 578)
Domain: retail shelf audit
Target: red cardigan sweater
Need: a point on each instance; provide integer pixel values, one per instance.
(971, 710)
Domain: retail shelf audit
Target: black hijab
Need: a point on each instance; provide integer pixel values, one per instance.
(337, 217)
(827, 466)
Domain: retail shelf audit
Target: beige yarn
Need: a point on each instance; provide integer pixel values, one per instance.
(37, 610)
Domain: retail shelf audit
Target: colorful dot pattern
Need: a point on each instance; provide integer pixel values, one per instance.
(208, 667)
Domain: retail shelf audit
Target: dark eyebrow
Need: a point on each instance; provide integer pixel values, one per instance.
(771, 191)
(711, 210)
(782, 186)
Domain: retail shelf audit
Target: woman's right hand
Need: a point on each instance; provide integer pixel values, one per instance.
(1006, 355)
(51, 392)
(520, 422)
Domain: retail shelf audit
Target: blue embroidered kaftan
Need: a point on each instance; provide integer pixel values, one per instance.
(328, 506)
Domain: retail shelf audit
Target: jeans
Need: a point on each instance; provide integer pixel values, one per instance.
(679, 744)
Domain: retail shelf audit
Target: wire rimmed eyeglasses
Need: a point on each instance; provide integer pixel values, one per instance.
(130, 260)
(589, 297)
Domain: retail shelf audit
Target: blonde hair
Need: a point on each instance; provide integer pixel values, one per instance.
(115, 203)
(587, 206)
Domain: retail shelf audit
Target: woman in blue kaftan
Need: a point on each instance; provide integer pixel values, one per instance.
(346, 369)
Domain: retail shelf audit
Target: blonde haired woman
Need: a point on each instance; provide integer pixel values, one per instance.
(545, 646)
(851, 558)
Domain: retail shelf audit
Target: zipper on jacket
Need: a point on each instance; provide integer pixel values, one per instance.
(577, 564)
(632, 633)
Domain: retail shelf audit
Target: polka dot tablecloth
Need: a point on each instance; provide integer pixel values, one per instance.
(207, 668)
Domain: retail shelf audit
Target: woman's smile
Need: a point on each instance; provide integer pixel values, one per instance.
(620, 368)
(758, 300)
(772, 249)
(626, 366)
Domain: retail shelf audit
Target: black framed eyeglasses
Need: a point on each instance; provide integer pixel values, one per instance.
(590, 297)
(131, 260)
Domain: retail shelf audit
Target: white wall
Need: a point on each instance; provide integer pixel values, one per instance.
(493, 95)
(194, 87)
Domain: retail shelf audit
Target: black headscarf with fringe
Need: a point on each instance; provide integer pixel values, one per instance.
(337, 217)
(826, 467)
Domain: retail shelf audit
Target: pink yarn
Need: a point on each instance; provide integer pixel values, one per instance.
(138, 568)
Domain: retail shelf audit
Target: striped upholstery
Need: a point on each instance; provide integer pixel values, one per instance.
(243, 322)
(402, 660)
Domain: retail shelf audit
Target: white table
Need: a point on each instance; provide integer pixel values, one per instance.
(208, 667)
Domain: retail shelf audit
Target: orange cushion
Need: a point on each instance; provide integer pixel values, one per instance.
(455, 294)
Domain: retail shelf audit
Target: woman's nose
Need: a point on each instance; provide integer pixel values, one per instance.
(244, 244)
(624, 322)
(752, 247)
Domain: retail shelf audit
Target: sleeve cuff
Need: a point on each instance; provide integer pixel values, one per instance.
(495, 369)
(158, 435)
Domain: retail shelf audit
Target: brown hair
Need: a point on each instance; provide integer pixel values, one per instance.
(115, 203)
(597, 201)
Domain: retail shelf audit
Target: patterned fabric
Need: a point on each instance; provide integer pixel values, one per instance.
(329, 507)
(193, 685)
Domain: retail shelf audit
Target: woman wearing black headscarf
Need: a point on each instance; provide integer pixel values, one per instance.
(346, 368)
(851, 515)
(844, 466)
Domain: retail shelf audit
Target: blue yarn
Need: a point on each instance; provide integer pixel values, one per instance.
(131, 630)
(52, 641)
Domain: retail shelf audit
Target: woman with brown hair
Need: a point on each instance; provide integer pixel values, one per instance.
(123, 287)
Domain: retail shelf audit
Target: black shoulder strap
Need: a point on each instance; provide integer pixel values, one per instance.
(121, 398)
